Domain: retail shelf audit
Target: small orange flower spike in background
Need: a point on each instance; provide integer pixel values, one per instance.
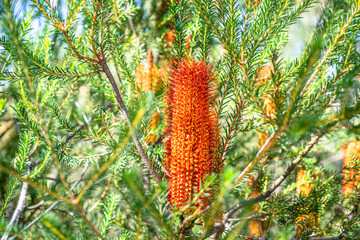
(257, 228)
(303, 187)
(191, 128)
(257, 225)
(256, 2)
(351, 179)
(269, 107)
(148, 77)
(264, 77)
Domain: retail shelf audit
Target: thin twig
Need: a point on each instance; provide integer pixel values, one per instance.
(276, 184)
(131, 23)
(269, 142)
(22, 198)
(102, 196)
(192, 218)
(116, 45)
(106, 127)
(39, 204)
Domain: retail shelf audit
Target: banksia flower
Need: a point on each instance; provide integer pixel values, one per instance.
(351, 178)
(304, 187)
(191, 128)
(148, 77)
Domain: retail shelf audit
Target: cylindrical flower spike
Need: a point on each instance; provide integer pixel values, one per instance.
(191, 128)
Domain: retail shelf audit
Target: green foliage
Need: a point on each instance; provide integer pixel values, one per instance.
(77, 127)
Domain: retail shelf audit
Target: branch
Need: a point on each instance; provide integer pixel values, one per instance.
(52, 205)
(219, 227)
(131, 23)
(22, 198)
(269, 142)
(116, 45)
(78, 55)
(192, 218)
(102, 196)
(125, 112)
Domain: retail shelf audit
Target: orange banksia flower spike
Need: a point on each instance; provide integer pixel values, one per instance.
(351, 179)
(191, 131)
(169, 38)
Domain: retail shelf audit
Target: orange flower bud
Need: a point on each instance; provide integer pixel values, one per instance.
(191, 129)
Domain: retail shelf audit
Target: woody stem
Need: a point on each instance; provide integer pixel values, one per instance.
(125, 112)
